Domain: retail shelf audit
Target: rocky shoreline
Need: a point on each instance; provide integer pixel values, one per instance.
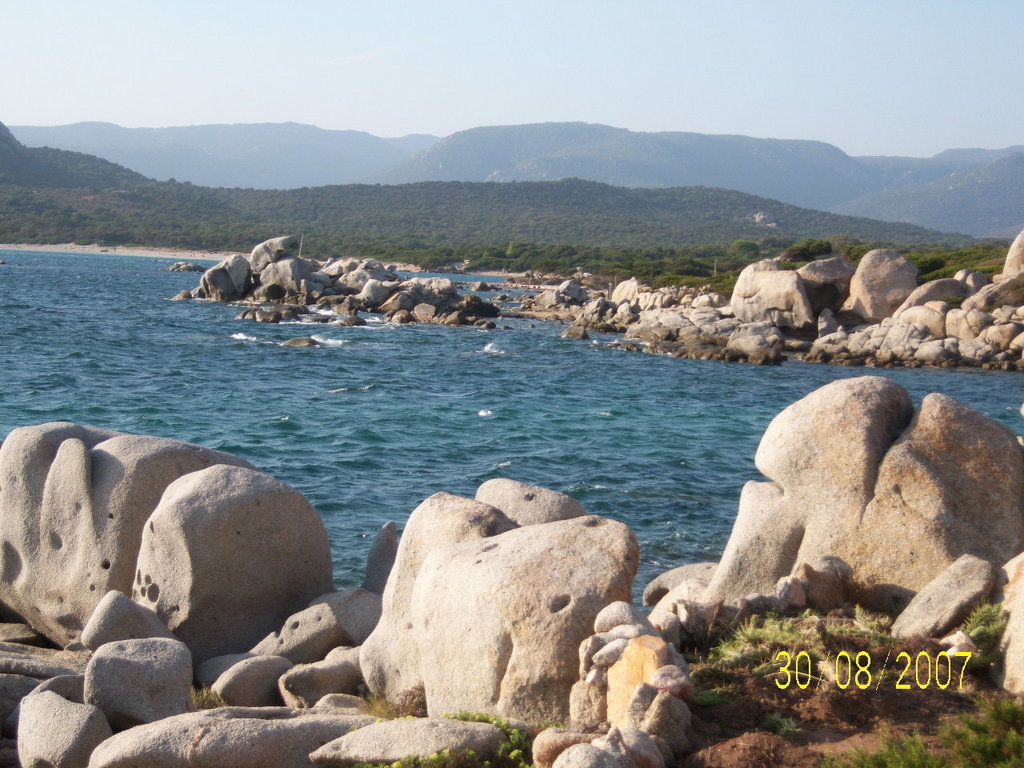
(141, 571)
(825, 311)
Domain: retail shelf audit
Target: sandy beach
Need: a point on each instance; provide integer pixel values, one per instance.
(143, 251)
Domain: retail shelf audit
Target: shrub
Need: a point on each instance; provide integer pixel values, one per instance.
(909, 752)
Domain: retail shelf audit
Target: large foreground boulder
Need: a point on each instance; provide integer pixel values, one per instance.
(852, 472)
(390, 656)
(73, 502)
(392, 740)
(230, 737)
(227, 556)
(499, 620)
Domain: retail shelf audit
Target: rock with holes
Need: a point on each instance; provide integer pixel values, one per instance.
(338, 618)
(118, 617)
(56, 733)
(528, 504)
(140, 681)
(498, 621)
(391, 740)
(307, 684)
(229, 737)
(227, 556)
(73, 503)
(390, 656)
(252, 682)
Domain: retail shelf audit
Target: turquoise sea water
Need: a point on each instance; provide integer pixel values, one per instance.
(384, 416)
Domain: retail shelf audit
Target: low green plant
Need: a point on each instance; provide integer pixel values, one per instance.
(410, 703)
(907, 752)
(207, 698)
(985, 625)
(995, 739)
(515, 752)
(992, 739)
(518, 747)
(776, 723)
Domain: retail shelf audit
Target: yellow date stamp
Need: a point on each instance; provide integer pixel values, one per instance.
(859, 670)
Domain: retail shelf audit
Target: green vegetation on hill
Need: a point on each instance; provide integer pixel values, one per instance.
(671, 235)
(420, 217)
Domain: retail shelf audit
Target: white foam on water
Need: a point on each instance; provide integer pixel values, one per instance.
(605, 414)
(504, 464)
(493, 349)
(485, 414)
(242, 337)
(329, 342)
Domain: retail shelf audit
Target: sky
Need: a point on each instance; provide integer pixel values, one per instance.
(901, 77)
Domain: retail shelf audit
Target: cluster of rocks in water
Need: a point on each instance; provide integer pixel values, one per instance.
(826, 311)
(282, 285)
(140, 568)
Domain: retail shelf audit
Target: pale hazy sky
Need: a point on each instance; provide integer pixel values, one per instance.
(900, 77)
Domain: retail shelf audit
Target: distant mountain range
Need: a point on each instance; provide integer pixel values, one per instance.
(49, 195)
(46, 168)
(974, 191)
(262, 156)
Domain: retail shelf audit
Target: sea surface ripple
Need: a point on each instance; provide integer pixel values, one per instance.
(383, 416)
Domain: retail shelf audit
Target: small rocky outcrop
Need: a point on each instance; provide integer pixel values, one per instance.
(276, 273)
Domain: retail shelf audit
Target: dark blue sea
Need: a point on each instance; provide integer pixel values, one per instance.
(383, 416)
